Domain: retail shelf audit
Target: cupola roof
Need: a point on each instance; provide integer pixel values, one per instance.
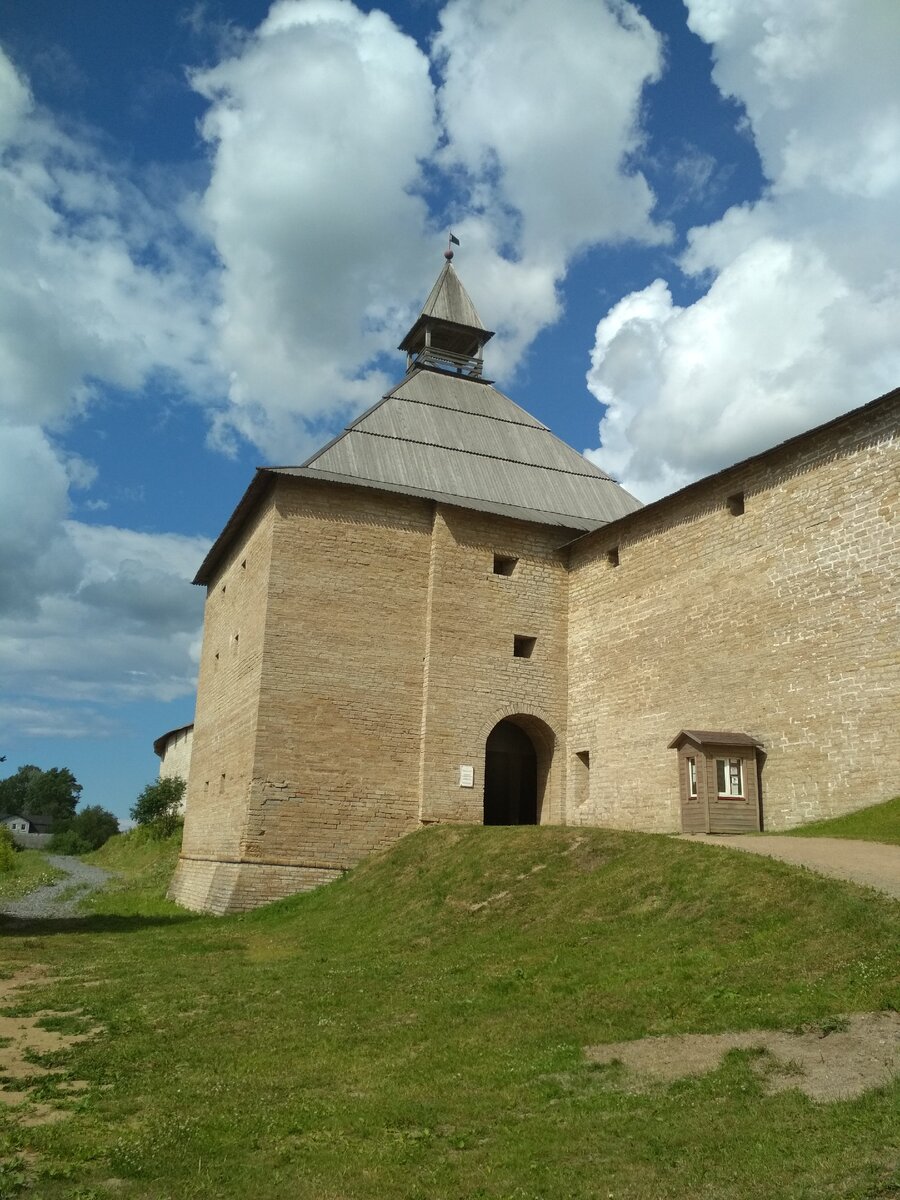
(448, 333)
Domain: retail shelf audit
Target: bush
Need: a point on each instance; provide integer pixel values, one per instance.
(88, 830)
(158, 807)
(8, 862)
(68, 841)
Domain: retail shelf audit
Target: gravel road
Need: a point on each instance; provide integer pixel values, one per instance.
(48, 902)
(870, 863)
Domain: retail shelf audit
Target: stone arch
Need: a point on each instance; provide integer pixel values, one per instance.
(543, 741)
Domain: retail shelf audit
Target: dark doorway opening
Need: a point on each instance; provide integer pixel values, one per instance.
(510, 777)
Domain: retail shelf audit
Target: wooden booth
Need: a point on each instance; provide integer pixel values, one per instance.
(718, 776)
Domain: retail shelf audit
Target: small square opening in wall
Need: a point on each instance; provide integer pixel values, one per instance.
(612, 556)
(584, 756)
(504, 564)
(523, 647)
(736, 504)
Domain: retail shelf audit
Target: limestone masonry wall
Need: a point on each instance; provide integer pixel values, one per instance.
(336, 770)
(227, 705)
(473, 679)
(176, 758)
(780, 622)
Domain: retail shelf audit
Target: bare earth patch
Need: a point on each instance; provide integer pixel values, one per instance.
(21, 1036)
(835, 1065)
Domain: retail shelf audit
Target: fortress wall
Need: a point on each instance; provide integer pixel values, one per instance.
(176, 758)
(336, 769)
(473, 679)
(225, 723)
(780, 623)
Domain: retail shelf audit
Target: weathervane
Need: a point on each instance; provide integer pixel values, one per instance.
(448, 253)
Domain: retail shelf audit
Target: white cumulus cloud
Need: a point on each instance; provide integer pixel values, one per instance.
(802, 317)
(123, 625)
(98, 286)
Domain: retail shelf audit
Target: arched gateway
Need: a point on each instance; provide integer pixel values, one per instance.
(516, 766)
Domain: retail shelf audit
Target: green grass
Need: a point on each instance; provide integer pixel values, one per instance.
(31, 871)
(392, 1035)
(880, 823)
(142, 866)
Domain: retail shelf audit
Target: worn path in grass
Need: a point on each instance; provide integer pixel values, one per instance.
(62, 898)
(870, 863)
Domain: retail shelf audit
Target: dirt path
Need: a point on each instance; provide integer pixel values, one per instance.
(872, 864)
(62, 898)
(842, 1060)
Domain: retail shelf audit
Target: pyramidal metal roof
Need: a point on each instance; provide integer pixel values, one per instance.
(452, 436)
(460, 440)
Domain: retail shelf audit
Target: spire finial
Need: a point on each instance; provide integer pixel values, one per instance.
(448, 253)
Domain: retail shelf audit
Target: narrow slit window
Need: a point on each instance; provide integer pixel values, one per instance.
(612, 556)
(504, 564)
(523, 647)
(692, 776)
(736, 504)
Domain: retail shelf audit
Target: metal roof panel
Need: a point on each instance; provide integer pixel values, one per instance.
(469, 476)
(460, 394)
(474, 434)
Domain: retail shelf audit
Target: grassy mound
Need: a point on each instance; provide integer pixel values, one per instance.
(142, 866)
(417, 1029)
(880, 823)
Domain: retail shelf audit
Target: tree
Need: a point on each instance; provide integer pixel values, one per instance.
(34, 792)
(159, 805)
(95, 825)
(67, 841)
(87, 830)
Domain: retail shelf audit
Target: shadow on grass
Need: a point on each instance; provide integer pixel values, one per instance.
(93, 923)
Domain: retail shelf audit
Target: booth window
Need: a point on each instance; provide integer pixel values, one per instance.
(692, 776)
(730, 776)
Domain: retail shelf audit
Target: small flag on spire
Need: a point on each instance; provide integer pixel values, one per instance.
(454, 241)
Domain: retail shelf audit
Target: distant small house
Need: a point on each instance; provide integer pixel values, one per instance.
(29, 830)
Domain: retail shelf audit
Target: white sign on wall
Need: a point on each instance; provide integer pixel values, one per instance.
(466, 776)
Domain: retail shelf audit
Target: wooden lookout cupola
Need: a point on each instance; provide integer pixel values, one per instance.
(718, 778)
(448, 333)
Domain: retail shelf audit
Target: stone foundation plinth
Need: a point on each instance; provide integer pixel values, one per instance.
(206, 885)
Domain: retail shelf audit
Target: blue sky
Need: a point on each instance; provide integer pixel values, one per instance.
(217, 220)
